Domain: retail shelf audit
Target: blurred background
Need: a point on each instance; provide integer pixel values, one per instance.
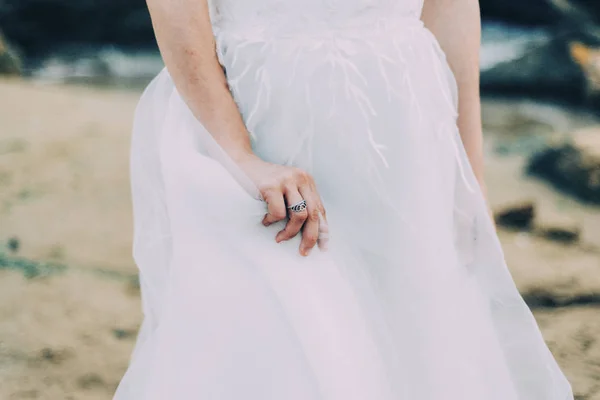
(71, 73)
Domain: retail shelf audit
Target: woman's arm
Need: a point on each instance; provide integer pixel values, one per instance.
(184, 34)
(457, 26)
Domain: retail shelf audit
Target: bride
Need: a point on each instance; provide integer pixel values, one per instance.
(310, 214)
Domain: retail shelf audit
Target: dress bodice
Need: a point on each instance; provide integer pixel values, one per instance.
(304, 14)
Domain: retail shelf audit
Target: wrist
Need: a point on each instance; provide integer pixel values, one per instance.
(241, 155)
(246, 161)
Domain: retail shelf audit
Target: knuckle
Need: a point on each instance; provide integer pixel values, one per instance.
(299, 216)
(311, 239)
(314, 215)
(322, 209)
(268, 190)
(324, 216)
(300, 175)
(289, 180)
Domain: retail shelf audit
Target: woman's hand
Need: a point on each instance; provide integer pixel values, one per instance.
(282, 187)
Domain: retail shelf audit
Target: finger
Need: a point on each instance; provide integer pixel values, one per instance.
(310, 230)
(296, 219)
(276, 210)
(323, 238)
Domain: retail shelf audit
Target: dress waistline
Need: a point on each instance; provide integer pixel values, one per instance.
(264, 28)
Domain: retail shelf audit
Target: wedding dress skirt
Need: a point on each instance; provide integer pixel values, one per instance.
(413, 299)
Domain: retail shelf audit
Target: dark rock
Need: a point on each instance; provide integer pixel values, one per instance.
(588, 59)
(557, 227)
(91, 381)
(516, 216)
(549, 69)
(539, 12)
(40, 26)
(124, 333)
(560, 234)
(531, 12)
(13, 244)
(10, 64)
(55, 356)
(572, 165)
(530, 74)
(583, 10)
(543, 298)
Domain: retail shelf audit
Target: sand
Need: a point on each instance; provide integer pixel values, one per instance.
(67, 329)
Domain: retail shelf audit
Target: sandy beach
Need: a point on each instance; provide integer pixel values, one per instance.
(69, 304)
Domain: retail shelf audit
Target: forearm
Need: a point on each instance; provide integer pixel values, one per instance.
(457, 26)
(184, 35)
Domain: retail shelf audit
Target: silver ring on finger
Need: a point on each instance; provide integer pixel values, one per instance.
(298, 207)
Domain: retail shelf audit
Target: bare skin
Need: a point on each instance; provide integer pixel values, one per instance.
(184, 35)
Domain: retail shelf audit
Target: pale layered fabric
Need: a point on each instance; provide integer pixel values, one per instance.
(413, 301)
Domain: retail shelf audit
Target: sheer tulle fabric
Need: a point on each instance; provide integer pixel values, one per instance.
(413, 300)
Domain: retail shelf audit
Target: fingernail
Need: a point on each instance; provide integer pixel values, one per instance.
(306, 252)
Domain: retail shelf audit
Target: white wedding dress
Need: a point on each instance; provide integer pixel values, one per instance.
(413, 300)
